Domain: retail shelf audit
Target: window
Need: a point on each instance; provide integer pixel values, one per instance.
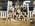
(3, 5)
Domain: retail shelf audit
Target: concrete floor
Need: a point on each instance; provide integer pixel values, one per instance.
(14, 23)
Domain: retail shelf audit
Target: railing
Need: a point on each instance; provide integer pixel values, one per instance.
(3, 14)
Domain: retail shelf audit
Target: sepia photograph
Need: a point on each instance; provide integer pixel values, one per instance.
(17, 12)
